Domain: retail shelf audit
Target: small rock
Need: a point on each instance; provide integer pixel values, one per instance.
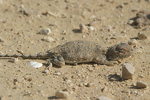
(89, 84)
(57, 73)
(133, 92)
(103, 98)
(91, 28)
(62, 94)
(14, 60)
(140, 84)
(141, 36)
(48, 39)
(35, 64)
(132, 42)
(112, 79)
(83, 36)
(1, 40)
(109, 28)
(45, 31)
(83, 28)
(127, 71)
(46, 71)
(49, 13)
(104, 89)
(27, 77)
(125, 91)
(130, 22)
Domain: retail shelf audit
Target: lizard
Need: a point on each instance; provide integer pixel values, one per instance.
(79, 51)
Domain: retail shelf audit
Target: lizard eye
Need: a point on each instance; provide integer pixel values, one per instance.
(60, 58)
(120, 50)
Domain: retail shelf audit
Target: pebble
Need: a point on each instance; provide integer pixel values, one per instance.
(91, 28)
(48, 39)
(140, 84)
(35, 64)
(26, 11)
(48, 13)
(141, 36)
(83, 28)
(89, 84)
(130, 22)
(103, 98)
(57, 73)
(113, 79)
(133, 92)
(127, 71)
(27, 77)
(62, 94)
(1, 40)
(46, 71)
(45, 31)
(132, 42)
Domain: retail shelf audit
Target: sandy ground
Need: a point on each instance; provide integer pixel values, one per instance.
(20, 81)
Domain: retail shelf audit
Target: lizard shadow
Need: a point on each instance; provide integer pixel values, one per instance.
(52, 98)
(134, 87)
(76, 30)
(115, 77)
(72, 65)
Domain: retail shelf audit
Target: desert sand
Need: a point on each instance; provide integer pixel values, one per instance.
(107, 22)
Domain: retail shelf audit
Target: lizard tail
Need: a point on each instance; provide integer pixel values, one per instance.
(37, 56)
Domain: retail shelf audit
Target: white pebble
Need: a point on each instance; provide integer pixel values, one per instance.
(62, 94)
(45, 31)
(48, 39)
(132, 42)
(1, 1)
(35, 64)
(1, 40)
(130, 22)
(141, 36)
(91, 28)
(27, 77)
(127, 71)
(140, 84)
(57, 73)
(83, 28)
(103, 98)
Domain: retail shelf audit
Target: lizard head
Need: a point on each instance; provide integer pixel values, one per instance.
(119, 51)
